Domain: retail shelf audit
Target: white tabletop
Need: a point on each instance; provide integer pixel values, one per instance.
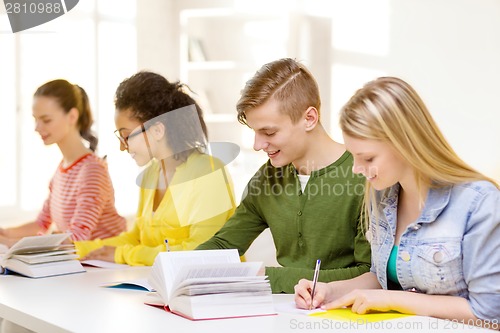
(79, 303)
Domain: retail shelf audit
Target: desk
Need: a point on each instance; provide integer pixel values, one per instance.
(78, 303)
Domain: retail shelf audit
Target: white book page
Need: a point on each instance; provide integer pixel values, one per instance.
(45, 253)
(34, 243)
(210, 280)
(230, 285)
(216, 271)
(37, 259)
(155, 280)
(212, 274)
(172, 263)
(168, 264)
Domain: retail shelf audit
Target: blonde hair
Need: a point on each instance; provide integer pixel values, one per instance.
(286, 81)
(389, 109)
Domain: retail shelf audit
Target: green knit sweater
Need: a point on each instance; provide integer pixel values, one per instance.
(320, 223)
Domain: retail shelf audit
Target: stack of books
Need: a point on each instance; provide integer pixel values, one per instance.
(41, 256)
(211, 284)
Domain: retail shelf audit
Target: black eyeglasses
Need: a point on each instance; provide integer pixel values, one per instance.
(124, 140)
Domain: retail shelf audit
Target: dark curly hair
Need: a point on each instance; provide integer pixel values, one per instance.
(147, 95)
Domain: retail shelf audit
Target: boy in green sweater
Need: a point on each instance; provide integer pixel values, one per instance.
(306, 193)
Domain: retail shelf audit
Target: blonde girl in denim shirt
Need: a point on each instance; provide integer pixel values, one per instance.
(434, 222)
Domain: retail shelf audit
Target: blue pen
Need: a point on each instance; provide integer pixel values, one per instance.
(315, 280)
(166, 245)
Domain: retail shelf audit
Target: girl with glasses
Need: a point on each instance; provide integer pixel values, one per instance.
(185, 194)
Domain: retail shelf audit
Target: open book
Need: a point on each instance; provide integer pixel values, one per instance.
(209, 284)
(41, 256)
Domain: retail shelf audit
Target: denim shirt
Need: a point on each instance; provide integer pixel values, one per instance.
(453, 248)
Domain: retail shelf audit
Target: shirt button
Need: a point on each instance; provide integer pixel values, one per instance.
(300, 234)
(300, 193)
(416, 227)
(299, 213)
(438, 256)
(405, 255)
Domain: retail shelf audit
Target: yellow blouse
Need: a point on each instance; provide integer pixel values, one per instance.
(198, 201)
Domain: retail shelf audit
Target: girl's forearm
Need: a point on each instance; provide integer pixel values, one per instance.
(439, 306)
(364, 281)
(28, 229)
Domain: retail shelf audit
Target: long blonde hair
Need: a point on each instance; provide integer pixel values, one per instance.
(390, 110)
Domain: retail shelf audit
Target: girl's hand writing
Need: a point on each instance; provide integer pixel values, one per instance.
(303, 294)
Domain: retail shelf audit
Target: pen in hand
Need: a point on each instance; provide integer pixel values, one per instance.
(315, 281)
